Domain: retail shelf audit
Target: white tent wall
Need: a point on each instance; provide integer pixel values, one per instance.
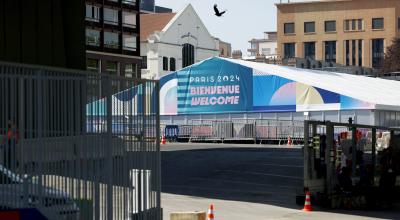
(387, 118)
(367, 117)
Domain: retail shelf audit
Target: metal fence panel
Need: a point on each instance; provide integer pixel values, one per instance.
(79, 145)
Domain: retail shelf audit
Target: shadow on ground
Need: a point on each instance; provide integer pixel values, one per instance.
(258, 175)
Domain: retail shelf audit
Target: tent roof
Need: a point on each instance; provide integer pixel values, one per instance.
(385, 94)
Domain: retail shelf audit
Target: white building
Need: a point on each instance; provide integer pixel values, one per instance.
(172, 41)
(266, 47)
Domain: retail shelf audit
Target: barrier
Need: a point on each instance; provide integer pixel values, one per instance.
(255, 130)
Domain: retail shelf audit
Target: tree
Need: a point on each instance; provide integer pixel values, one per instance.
(392, 57)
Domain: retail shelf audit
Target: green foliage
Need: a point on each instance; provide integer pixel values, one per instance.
(392, 57)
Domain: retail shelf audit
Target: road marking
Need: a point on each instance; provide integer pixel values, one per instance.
(227, 190)
(272, 164)
(297, 158)
(247, 183)
(263, 174)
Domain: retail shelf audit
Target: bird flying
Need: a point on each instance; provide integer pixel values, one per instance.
(217, 12)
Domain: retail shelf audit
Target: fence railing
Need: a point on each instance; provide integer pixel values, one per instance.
(79, 145)
(257, 130)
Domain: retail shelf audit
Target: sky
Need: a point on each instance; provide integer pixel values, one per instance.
(244, 20)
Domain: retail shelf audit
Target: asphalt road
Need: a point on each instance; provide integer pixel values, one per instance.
(245, 182)
(251, 173)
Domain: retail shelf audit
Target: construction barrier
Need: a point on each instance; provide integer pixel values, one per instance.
(256, 130)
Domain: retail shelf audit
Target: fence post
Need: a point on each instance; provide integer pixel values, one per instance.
(354, 150)
(373, 143)
(328, 157)
(109, 167)
(306, 151)
(157, 103)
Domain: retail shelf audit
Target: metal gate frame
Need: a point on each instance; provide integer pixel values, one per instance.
(326, 184)
(82, 145)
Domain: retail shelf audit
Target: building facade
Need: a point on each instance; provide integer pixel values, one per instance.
(225, 48)
(149, 7)
(266, 47)
(172, 41)
(347, 32)
(47, 33)
(112, 37)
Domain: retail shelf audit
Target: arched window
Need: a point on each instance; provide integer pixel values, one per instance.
(172, 65)
(165, 63)
(187, 55)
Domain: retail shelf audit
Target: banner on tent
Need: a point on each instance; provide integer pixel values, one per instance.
(220, 86)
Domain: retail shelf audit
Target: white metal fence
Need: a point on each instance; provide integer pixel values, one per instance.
(257, 130)
(79, 145)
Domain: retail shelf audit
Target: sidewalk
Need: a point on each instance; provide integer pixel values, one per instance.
(233, 210)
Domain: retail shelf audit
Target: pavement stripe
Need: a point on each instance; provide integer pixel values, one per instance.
(264, 192)
(247, 183)
(272, 164)
(263, 174)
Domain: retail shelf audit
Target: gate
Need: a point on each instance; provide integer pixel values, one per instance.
(79, 145)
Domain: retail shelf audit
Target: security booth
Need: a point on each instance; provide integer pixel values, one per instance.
(349, 165)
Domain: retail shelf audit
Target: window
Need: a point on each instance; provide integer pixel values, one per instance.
(130, 70)
(360, 48)
(187, 55)
(377, 23)
(377, 53)
(165, 63)
(144, 62)
(309, 50)
(129, 19)
(354, 25)
(111, 40)
(172, 64)
(129, 2)
(110, 16)
(360, 24)
(309, 27)
(288, 28)
(347, 25)
(92, 13)
(92, 37)
(93, 65)
(129, 42)
(289, 50)
(330, 51)
(330, 26)
(398, 23)
(266, 51)
(253, 46)
(353, 52)
(347, 45)
(112, 67)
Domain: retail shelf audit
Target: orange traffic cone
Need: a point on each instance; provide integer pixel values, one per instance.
(210, 214)
(307, 204)
(163, 140)
(289, 141)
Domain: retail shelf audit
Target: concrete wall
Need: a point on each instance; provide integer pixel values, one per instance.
(271, 45)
